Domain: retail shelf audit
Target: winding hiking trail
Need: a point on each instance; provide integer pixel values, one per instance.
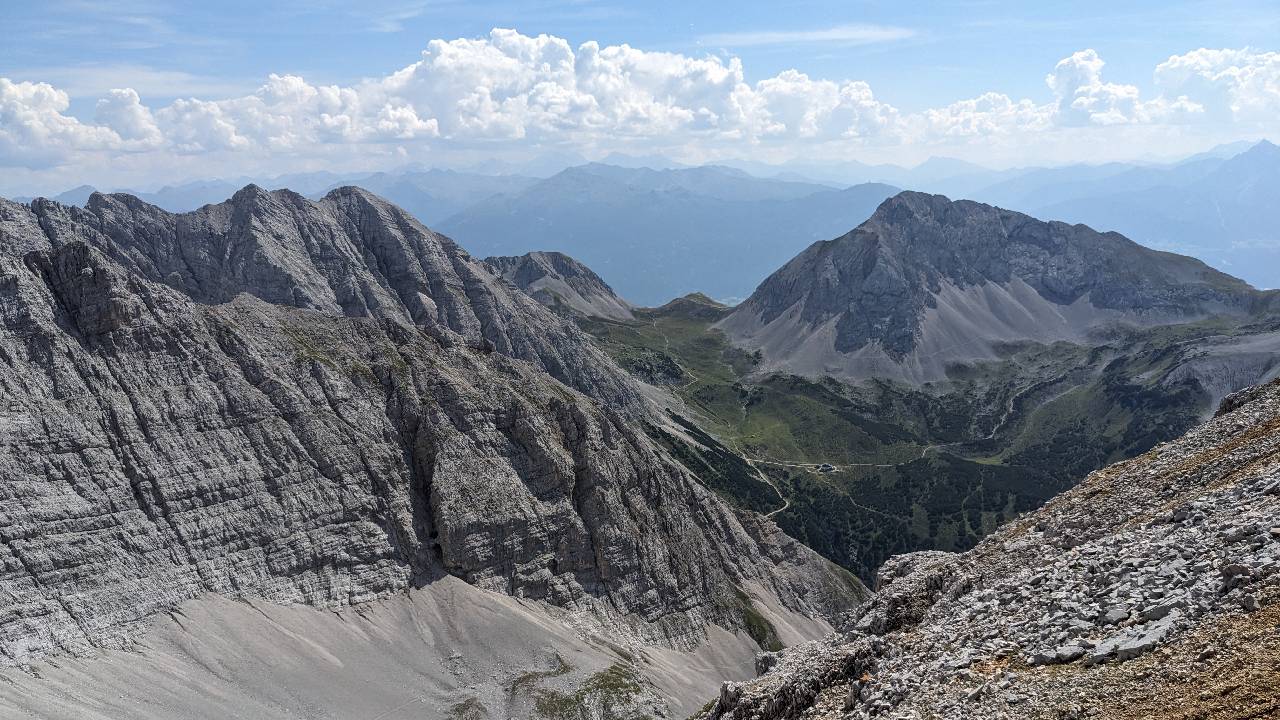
(844, 466)
(666, 346)
(786, 500)
(815, 468)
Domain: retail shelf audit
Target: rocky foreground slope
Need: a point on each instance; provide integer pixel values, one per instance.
(1152, 590)
(327, 403)
(927, 283)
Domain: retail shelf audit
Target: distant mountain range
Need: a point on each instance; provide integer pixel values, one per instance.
(654, 235)
(1220, 206)
(433, 195)
(657, 230)
(192, 195)
(1223, 211)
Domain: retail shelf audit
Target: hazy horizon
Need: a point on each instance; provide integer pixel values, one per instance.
(546, 166)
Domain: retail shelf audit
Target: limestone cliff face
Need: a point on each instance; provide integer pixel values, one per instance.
(325, 402)
(351, 254)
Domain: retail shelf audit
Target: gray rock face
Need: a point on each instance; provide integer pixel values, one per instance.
(1158, 562)
(562, 284)
(927, 281)
(351, 254)
(325, 402)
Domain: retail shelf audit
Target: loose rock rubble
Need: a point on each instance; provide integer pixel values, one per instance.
(1149, 556)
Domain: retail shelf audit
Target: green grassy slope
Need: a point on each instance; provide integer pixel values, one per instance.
(863, 472)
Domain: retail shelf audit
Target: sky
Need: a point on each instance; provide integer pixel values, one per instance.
(135, 93)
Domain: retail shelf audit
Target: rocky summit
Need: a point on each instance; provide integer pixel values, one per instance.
(1152, 590)
(562, 284)
(324, 403)
(927, 283)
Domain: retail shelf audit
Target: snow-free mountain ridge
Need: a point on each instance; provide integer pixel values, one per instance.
(927, 283)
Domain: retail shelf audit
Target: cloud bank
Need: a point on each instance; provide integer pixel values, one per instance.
(509, 90)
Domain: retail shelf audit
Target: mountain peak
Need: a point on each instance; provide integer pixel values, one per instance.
(248, 192)
(562, 284)
(81, 190)
(1263, 148)
(703, 299)
(78, 196)
(928, 281)
(911, 203)
(98, 201)
(949, 164)
(695, 305)
(1261, 162)
(357, 193)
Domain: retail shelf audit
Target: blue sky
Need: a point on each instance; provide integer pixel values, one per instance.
(953, 49)
(884, 67)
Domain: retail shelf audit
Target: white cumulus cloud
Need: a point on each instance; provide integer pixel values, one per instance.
(36, 132)
(508, 90)
(1242, 85)
(990, 114)
(1083, 98)
(123, 112)
(791, 105)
